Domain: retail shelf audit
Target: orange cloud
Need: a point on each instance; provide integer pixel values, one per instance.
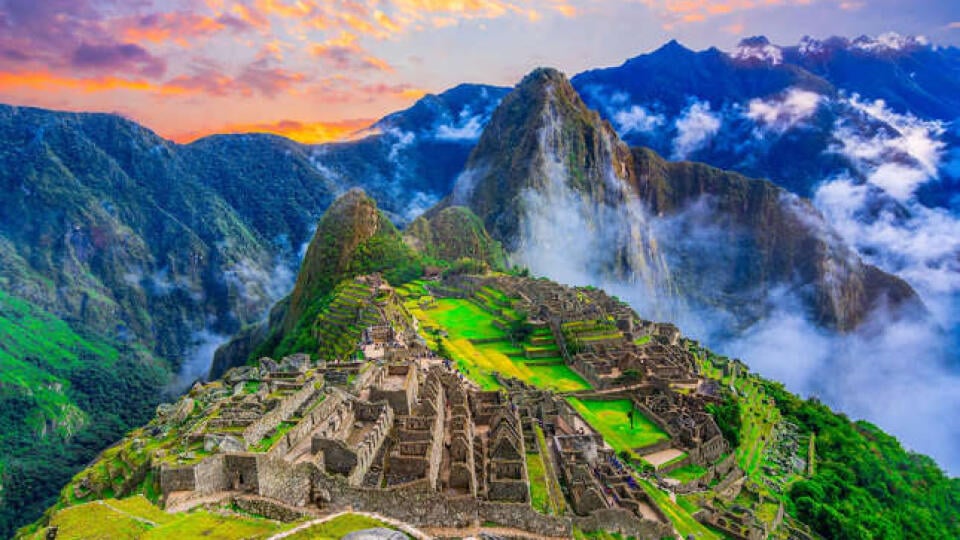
(46, 81)
(689, 11)
(179, 27)
(303, 132)
(344, 53)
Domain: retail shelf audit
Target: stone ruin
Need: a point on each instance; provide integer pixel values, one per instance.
(407, 426)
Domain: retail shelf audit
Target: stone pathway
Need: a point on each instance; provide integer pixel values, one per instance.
(503, 532)
(127, 514)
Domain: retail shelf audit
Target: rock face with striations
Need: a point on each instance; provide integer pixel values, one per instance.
(554, 183)
(731, 240)
(549, 177)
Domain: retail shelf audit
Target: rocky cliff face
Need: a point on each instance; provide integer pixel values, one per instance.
(731, 241)
(567, 198)
(553, 183)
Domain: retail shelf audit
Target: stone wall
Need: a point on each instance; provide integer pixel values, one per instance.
(177, 478)
(268, 509)
(305, 427)
(242, 472)
(624, 522)
(211, 476)
(290, 484)
(268, 422)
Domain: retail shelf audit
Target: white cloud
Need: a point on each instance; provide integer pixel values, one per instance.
(898, 157)
(760, 52)
(637, 119)
(695, 126)
(781, 114)
(466, 129)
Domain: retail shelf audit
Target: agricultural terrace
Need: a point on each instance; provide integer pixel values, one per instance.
(610, 419)
(758, 416)
(473, 333)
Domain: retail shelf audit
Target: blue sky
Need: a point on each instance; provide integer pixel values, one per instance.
(317, 69)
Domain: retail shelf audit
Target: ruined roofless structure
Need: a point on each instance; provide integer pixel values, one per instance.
(410, 437)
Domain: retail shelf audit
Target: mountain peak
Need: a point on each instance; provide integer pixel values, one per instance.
(338, 250)
(758, 50)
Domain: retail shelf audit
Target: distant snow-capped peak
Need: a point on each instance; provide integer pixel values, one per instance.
(758, 49)
(891, 41)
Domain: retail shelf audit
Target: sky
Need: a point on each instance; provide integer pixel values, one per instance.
(319, 70)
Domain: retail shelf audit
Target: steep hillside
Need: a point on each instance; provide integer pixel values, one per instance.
(63, 396)
(730, 237)
(454, 233)
(552, 181)
(353, 238)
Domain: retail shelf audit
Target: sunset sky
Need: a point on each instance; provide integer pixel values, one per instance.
(318, 69)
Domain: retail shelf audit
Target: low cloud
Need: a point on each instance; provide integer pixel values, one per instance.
(899, 156)
(696, 125)
(781, 114)
(468, 127)
(902, 360)
(637, 119)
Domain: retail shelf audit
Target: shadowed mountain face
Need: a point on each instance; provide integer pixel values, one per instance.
(567, 198)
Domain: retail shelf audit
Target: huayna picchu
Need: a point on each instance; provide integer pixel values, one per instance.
(465, 399)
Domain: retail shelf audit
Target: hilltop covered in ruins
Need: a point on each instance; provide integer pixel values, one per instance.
(455, 398)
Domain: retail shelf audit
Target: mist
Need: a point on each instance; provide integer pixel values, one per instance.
(898, 371)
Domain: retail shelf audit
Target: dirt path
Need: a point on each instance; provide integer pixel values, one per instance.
(127, 514)
(399, 525)
(503, 532)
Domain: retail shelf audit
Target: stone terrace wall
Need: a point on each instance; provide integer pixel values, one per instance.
(420, 506)
(259, 429)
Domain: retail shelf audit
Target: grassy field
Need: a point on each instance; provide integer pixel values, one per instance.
(210, 526)
(136, 518)
(609, 418)
(539, 496)
(463, 321)
(687, 473)
(338, 527)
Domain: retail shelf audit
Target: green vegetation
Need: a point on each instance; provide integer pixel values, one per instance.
(338, 527)
(609, 418)
(866, 485)
(728, 417)
(267, 443)
(210, 526)
(539, 495)
(465, 321)
(63, 397)
(136, 518)
(455, 233)
(681, 519)
(687, 473)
